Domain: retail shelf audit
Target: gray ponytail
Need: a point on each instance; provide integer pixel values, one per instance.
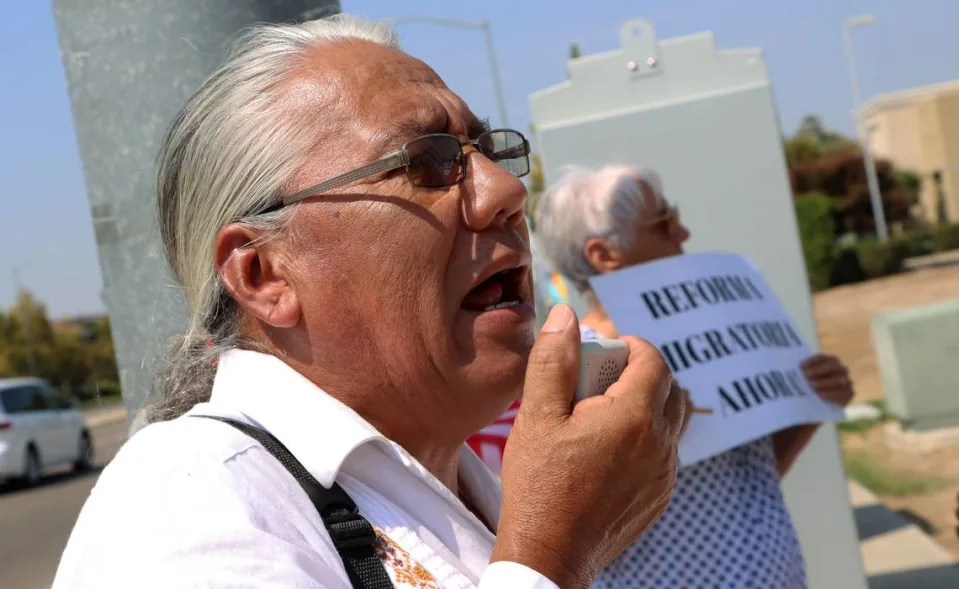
(229, 155)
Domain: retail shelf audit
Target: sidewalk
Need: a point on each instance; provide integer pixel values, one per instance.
(896, 554)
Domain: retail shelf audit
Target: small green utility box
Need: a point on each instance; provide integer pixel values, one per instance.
(917, 351)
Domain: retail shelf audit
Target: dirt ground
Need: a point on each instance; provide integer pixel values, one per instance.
(933, 510)
(843, 315)
(843, 318)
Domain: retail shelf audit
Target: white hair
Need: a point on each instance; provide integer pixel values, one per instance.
(585, 204)
(227, 157)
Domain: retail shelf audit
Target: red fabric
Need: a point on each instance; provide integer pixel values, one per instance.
(490, 442)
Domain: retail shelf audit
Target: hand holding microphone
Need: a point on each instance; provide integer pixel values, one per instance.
(582, 481)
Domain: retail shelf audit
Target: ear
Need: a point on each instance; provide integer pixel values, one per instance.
(253, 274)
(602, 256)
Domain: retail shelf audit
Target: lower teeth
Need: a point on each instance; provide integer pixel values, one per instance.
(505, 305)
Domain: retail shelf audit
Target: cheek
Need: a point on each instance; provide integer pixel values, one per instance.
(652, 247)
(387, 258)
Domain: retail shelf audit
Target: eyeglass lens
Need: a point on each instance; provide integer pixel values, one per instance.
(437, 160)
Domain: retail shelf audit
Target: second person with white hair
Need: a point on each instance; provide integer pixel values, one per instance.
(727, 524)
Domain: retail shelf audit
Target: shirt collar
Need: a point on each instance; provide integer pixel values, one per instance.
(303, 416)
(322, 432)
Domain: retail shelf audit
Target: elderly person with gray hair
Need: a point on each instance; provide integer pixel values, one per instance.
(727, 524)
(351, 242)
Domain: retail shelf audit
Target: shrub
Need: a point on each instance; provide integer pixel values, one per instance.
(946, 238)
(917, 243)
(884, 259)
(870, 472)
(108, 388)
(846, 268)
(815, 214)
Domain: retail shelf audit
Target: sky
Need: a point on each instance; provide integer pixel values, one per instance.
(46, 239)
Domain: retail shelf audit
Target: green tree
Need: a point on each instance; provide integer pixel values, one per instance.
(76, 356)
(574, 53)
(812, 129)
(813, 141)
(30, 340)
(537, 181)
(824, 161)
(801, 150)
(536, 184)
(7, 332)
(816, 215)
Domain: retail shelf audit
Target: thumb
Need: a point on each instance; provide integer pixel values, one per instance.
(553, 366)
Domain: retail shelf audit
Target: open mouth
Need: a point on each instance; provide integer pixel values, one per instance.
(502, 290)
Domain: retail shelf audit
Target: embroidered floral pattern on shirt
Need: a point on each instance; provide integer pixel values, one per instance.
(403, 570)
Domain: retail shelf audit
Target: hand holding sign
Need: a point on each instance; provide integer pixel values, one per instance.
(829, 378)
(728, 340)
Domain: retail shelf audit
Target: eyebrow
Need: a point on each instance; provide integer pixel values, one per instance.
(419, 122)
(476, 126)
(411, 128)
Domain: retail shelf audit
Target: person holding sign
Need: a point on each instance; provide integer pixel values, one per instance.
(727, 524)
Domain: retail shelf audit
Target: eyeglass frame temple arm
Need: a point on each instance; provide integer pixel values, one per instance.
(387, 163)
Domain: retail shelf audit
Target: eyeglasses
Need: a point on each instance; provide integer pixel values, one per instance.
(436, 161)
(668, 221)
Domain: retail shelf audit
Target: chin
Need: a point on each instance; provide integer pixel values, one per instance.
(499, 373)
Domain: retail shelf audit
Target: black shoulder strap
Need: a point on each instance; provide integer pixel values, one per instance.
(352, 534)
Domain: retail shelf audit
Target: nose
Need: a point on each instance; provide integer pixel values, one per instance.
(493, 196)
(682, 234)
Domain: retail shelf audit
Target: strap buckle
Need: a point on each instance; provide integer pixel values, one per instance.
(347, 528)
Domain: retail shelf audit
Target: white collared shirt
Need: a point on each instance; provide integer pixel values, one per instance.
(195, 503)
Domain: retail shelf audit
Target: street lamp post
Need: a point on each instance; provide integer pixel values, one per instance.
(483, 26)
(872, 179)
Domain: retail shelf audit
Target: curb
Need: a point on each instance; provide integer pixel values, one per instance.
(896, 552)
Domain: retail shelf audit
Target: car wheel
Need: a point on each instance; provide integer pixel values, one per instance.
(84, 453)
(32, 469)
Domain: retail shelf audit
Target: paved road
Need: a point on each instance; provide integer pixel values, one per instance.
(35, 523)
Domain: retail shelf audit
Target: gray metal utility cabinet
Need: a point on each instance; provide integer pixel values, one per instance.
(706, 121)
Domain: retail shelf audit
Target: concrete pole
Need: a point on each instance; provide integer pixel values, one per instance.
(129, 67)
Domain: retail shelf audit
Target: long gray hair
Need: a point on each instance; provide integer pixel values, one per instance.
(228, 155)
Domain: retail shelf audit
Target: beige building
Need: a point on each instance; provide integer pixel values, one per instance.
(918, 130)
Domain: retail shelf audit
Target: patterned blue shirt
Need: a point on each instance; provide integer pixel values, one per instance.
(726, 527)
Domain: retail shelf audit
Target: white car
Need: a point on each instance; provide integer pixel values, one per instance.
(39, 428)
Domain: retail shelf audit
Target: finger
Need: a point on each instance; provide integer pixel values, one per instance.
(825, 370)
(553, 366)
(676, 412)
(818, 359)
(690, 407)
(840, 395)
(834, 382)
(646, 380)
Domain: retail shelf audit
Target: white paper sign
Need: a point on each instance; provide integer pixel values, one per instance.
(728, 340)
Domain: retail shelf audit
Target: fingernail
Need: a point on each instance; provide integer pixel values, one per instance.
(559, 319)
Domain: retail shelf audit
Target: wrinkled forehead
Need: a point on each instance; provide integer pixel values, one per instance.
(380, 96)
